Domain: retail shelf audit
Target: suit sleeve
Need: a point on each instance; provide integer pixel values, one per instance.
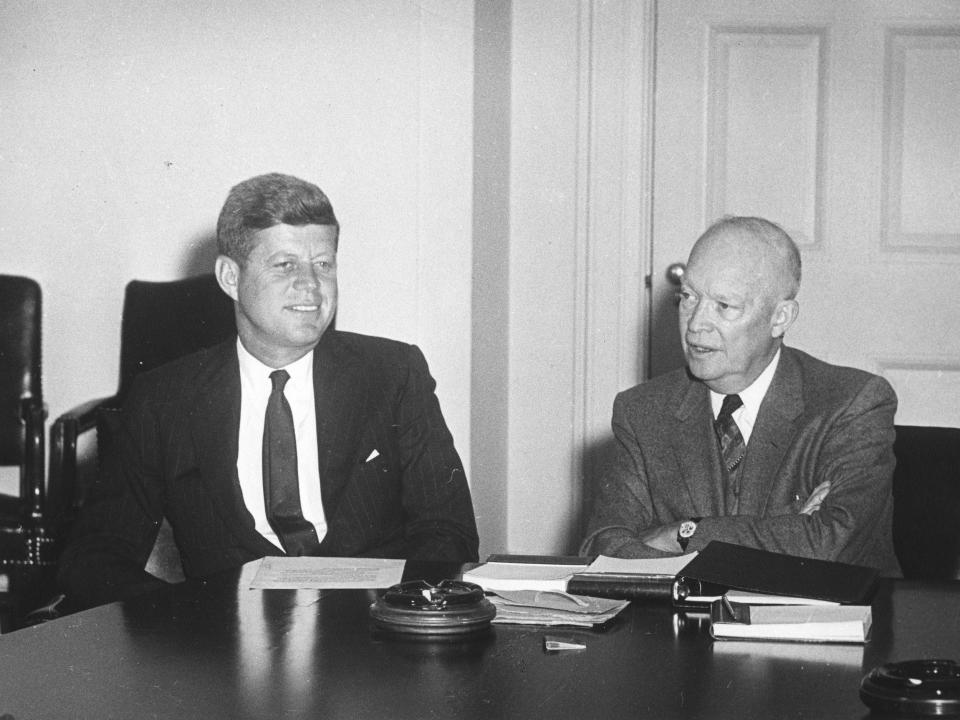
(854, 522)
(851, 447)
(439, 522)
(118, 524)
(622, 506)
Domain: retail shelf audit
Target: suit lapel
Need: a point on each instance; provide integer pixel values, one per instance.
(339, 391)
(214, 427)
(696, 448)
(772, 433)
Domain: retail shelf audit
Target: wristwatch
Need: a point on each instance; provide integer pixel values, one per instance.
(686, 531)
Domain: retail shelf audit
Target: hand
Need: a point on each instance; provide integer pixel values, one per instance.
(663, 537)
(818, 495)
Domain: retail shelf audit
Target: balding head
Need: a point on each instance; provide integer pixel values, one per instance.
(737, 300)
(762, 245)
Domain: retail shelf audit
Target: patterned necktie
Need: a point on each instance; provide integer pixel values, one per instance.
(732, 447)
(281, 486)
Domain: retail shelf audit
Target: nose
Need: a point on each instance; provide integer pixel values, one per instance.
(306, 276)
(697, 319)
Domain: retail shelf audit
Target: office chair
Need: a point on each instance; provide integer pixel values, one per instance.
(161, 321)
(27, 553)
(926, 502)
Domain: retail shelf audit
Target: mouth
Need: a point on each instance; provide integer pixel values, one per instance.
(303, 308)
(699, 350)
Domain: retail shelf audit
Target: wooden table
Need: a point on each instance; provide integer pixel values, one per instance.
(219, 650)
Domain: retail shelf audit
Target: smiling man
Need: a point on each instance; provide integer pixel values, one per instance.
(293, 439)
(753, 442)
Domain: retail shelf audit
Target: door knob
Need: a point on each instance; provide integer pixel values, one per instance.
(675, 273)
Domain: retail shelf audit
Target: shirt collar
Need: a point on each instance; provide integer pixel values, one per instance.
(752, 396)
(255, 372)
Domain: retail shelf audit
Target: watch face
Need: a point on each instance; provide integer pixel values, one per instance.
(687, 528)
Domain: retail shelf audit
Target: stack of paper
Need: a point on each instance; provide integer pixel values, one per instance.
(536, 607)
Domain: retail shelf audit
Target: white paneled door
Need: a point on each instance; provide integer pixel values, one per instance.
(840, 120)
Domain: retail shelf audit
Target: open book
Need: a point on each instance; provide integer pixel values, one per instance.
(525, 572)
(599, 577)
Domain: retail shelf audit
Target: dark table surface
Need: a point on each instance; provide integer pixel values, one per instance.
(219, 650)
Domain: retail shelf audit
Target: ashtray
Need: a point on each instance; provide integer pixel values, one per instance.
(914, 687)
(450, 608)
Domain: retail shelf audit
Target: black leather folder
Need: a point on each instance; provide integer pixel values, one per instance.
(723, 566)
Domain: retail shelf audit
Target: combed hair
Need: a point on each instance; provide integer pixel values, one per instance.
(264, 201)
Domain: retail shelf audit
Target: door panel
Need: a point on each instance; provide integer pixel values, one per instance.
(838, 121)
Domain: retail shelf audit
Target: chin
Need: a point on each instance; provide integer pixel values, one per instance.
(702, 370)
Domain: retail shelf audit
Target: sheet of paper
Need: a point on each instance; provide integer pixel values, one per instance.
(326, 573)
(640, 566)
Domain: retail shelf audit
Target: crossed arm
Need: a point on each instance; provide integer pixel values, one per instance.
(664, 537)
(836, 471)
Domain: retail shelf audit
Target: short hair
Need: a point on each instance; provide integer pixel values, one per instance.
(264, 201)
(769, 234)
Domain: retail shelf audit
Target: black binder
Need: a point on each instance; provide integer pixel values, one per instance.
(723, 566)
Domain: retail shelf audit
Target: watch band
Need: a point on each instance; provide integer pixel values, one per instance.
(686, 530)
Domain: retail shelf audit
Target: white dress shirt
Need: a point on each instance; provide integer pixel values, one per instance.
(746, 415)
(255, 388)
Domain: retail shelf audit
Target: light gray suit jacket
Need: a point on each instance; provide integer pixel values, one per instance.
(817, 422)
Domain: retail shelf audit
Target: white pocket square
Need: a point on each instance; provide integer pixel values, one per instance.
(373, 455)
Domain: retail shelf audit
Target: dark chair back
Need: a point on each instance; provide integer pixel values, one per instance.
(161, 321)
(926, 502)
(21, 394)
(27, 553)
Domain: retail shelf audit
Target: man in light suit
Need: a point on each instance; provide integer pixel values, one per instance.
(374, 469)
(806, 465)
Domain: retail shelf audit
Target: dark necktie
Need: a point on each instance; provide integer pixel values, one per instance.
(732, 447)
(281, 486)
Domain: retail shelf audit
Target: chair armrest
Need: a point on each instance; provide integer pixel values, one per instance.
(32, 485)
(64, 434)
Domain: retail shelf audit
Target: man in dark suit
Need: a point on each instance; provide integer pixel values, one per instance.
(753, 442)
(294, 438)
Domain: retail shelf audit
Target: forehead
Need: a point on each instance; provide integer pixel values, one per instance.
(729, 263)
(297, 239)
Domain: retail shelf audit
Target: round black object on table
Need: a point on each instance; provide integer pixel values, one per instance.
(451, 608)
(914, 687)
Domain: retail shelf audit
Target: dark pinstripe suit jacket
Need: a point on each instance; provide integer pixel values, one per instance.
(817, 422)
(176, 454)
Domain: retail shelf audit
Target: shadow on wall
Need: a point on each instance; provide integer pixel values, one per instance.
(200, 255)
(664, 323)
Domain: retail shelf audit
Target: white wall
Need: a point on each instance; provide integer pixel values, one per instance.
(579, 239)
(123, 126)
(486, 159)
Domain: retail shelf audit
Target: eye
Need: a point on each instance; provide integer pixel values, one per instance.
(286, 266)
(729, 311)
(687, 298)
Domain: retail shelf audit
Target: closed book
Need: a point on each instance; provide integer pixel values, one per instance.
(629, 578)
(723, 566)
(793, 623)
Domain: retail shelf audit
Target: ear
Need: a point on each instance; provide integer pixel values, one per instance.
(227, 272)
(784, 315)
